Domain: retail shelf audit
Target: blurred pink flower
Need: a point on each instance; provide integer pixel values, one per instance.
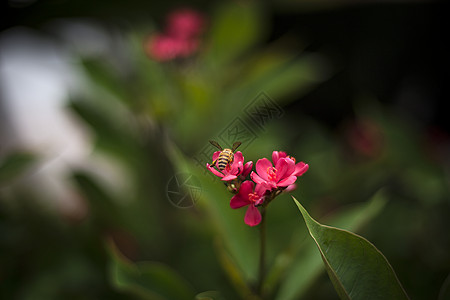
(185, 24)
(247, 196)
(233, 170)
(163, 47)
(366, 138)
(181, 37)
(282, 175)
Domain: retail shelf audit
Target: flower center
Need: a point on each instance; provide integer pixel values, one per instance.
(253, 197)
(272, 173)
(291, 157)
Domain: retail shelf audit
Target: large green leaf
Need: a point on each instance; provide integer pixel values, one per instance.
(147, 280)
(357, 269)
(305, 264)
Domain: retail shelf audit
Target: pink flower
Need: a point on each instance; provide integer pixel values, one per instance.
(366, 138)
(163, 47)
(181, 37)
(247, 196)
(282, 175)
(300, 168)
(233, 170)
(185, 24)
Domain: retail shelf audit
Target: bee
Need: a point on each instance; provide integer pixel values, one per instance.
(226, 155)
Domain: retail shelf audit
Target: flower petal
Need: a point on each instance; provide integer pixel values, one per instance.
(285, 167)
(261, 189)
(260, 201)
(238, 157)
(229, 177)
(290, 188)
(238, 201)
(236, 168)
(256, 178)
(287, 181)
(214, 171)
(261, 168)
(247, 168)
(246, 188)
(276, 155)
(237, 164)
(300, 169)
(216, 155)
(252, 216)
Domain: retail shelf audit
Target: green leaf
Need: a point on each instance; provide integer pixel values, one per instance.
(111, 126)
(147, 280)
(14, 164)
(105, 76)
(291, 76)
(239, 239)
(209, 295)
(357, 269)
(234, 273)
(101, 202)
(305, 264)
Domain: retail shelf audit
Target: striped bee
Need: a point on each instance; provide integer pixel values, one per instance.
(225, 157)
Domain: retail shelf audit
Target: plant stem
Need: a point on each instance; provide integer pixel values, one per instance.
(262, 253)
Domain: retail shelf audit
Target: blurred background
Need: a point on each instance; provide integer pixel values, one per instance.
(105, 113)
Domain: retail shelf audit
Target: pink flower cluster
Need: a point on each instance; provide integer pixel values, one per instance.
(181, 37)
(269, 180)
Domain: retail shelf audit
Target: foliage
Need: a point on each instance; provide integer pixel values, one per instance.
(153, 120)
(357, 269)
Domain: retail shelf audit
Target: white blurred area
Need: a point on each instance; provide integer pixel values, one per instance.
(37, 75)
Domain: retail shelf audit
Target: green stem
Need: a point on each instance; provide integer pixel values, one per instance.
(262, 253)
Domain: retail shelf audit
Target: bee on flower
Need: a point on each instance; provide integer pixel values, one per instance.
(226, 156)
(269, 180)
(230, 167)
